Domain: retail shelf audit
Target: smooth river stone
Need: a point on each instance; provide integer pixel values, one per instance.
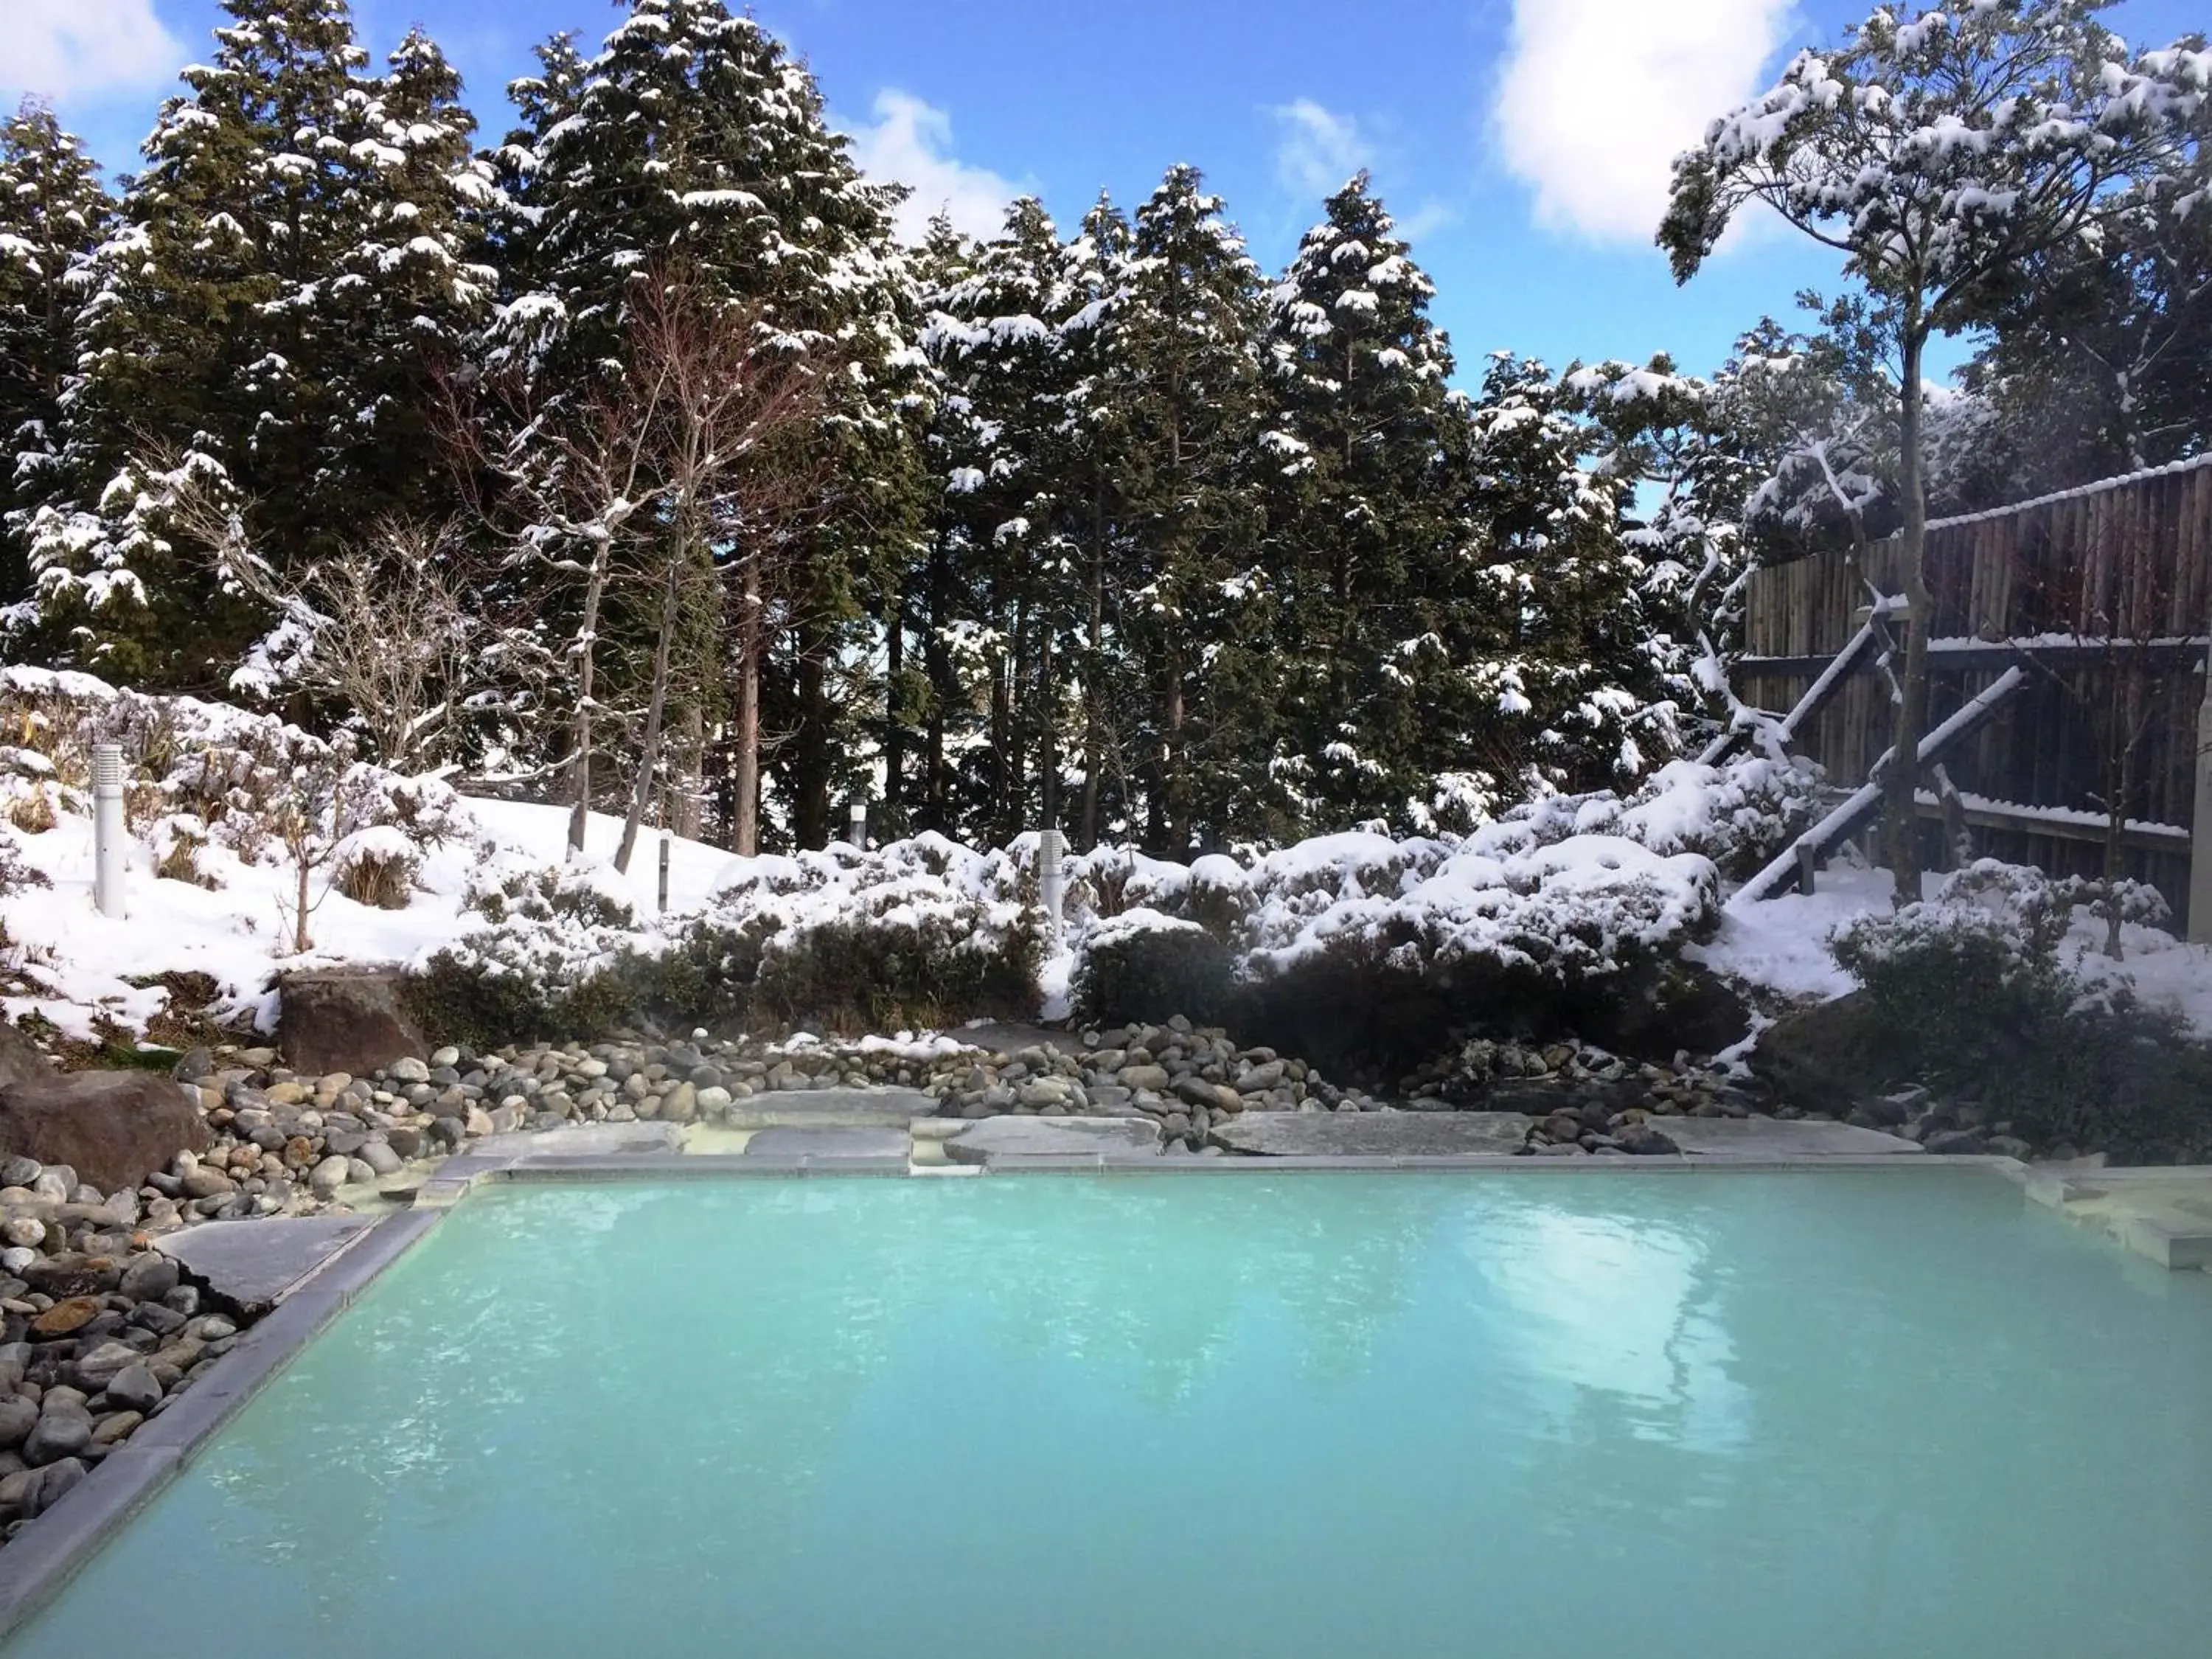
(995, 1137)
(1372, 1134)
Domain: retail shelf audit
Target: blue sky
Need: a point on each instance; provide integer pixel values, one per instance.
(1523, 142)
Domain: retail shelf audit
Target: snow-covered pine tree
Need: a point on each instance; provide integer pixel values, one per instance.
(692, 137)
(1562, 679)
(1362, 513)
(1184, 318)
(208, 353)
(53, 212)
(1096, 435)
(408, 290)
(995, 337)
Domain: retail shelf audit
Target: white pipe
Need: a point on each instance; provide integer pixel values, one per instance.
(107, 833)
(1052, 881)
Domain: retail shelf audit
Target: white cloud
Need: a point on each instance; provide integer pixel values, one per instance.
(61, 49)
(1425, 221)
(910, 144)
(1599, 96)
(1319, 148)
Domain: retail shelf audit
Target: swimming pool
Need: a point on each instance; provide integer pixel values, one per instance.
(1713, 1413)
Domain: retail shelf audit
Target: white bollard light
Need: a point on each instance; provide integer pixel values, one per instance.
(108, 835)
(859, 833)
(1052, 881)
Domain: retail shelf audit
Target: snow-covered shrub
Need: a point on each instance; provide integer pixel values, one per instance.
(14, 874)
(919, 932)
(1740, 815)
(1972, 990)
(586, 892)
(179, 844)
(376, 866)
(1146, 967)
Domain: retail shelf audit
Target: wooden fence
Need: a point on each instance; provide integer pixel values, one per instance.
(2034, 585)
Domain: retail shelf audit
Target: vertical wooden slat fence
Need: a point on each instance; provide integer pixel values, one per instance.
(2138, 548)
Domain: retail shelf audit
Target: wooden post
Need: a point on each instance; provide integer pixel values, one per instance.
(2200, 825)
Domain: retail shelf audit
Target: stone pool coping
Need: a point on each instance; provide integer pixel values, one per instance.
(39, 1563)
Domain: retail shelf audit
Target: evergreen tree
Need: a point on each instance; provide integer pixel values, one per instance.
(1562, 679)
(692, 138)
(1184, 315)
(253, 319)
(53, 212)
(1363, 514)
(1008, 516)
(408, 290)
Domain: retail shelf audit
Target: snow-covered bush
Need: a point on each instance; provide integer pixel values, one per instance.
(1972, 991)
(1146, 967)
(584, 893)
(922, 931)
(235, 775)
(14, 874)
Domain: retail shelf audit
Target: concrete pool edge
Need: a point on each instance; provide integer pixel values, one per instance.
(41, 1562)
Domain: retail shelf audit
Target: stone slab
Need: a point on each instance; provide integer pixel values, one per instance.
(255, 1264)
(858, 1108)
(1774, 1138)
(1381, 1134)
(991, 1139)
(582, 1141)
(828, 1140)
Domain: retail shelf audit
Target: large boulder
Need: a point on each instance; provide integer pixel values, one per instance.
(114, 1128)
(22, 1060)
(346, 1019)
(1827, 1057)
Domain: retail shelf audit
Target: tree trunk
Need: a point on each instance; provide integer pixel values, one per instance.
(691, 798)
(1094, 694)
(1900, 814)
(745, 762)
(943, 689)
(580, 764)
(810, 779)
(895, 713)
(1048, 735)
(649, 760)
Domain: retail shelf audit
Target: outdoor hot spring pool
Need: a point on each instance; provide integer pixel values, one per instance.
(1049, 1417)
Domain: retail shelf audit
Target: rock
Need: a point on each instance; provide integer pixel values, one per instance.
(67, 1318)
(1213, 1095)
(118, 1425)
(346, 1019)
(149, 1277)
(206, 1181)
(1829, 1057)
(1154, 1078)
(18, 1417)
(72, 1273)
(22, 1060)
(1956, 1142)
(96, 1370)
(23, 1229)
(113, 1128)
(327, 1176)
(55, 1436)
(1372, 1134)
(1643, 1140)
(380, 1157)
(133, 1388)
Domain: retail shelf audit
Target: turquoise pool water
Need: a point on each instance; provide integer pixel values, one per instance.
(1774, 1416)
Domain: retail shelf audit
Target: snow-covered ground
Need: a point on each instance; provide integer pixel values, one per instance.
(240, 934)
